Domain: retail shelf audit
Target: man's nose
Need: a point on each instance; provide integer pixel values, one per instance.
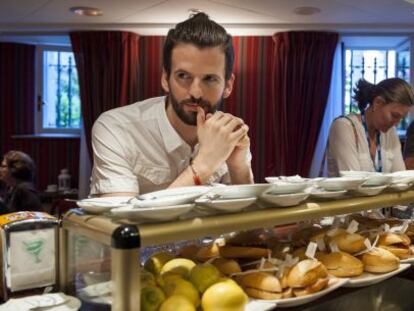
(195, 89)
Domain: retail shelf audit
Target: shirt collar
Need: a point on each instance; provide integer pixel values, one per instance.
(169, 135)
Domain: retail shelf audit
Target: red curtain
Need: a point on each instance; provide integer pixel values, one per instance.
(301, 74)
(150, 66)
(17, 94)
(107, 63)
(251, 93)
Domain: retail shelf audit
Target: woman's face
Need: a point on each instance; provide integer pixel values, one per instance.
(4, 171)
(387, 115)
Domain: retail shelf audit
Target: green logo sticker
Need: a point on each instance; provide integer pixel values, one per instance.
(34, 248)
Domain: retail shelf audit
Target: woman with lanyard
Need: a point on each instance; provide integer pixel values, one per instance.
(369, 141)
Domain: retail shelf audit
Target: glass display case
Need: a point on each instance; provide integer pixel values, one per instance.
(100, 249)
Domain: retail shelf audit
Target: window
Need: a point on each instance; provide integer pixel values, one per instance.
(58, 102)
(377, 59)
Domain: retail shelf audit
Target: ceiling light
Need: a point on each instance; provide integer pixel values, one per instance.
(86, 11)
(307, 10)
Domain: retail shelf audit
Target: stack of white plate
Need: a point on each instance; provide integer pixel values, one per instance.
(232, 198)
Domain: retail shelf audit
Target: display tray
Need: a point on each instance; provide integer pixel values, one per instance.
(393, 294)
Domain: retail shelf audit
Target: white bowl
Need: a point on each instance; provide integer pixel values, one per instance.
(356, 173)
(402, 177)
(237, 191)
(103, 204)
(291, 179)
(341, 183)
(157, 213)
(284, 199)
(370, 191)
(323, 194)
(228, 205)
(169, 197)
(281, 187)
(399, 187)
(378, 180)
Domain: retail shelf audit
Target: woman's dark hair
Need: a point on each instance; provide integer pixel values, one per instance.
(201, 31)
(20, 165)
(393, 90)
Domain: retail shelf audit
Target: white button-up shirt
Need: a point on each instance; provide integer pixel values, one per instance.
(135, 149)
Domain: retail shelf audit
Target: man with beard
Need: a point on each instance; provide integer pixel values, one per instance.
(180, 139)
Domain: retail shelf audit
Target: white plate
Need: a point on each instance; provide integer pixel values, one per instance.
(284, 199)
(399, 187)
(259, 305)
(409, 260)
(370, 191)
(31, 302)
(229, 205)
(103, 204)
(169, 197)
(367, 278)
(333, 284)
(237, 191)
(161, 213)
(341, 183)
(323, 194)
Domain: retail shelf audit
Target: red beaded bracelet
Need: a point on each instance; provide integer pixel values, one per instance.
(196, 178)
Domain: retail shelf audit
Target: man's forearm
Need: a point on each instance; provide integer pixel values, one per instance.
(241, 174)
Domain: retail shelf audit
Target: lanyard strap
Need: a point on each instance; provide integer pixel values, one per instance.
(377, 161)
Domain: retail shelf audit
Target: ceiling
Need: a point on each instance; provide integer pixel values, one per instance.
(52, 18)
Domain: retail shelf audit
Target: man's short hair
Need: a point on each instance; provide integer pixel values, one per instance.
(203, 32)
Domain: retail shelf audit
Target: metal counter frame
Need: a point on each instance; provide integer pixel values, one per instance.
(126, 238)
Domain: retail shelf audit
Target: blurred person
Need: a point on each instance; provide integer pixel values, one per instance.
(409, 147)
(17, 172)
(180, 139)
(368, 141)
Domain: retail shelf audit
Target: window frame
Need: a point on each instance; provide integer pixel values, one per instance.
(39, 129)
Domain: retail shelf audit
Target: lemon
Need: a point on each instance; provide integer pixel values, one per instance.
(178, 286)
(156, 261)
(177, 303)
(224, 295)
(204, 275)
(151, 298)
(180, 266)
(147, 278)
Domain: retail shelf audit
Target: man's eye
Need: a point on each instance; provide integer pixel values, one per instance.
(183, 75)
(210, 79)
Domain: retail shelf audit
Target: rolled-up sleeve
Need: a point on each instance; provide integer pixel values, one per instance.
(111, 171)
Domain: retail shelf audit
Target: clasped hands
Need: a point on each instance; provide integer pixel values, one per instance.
(222, 138)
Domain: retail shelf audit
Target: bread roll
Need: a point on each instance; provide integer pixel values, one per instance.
(396, 243)
(314, 288)
(349, 242)
(244, 252)
(341, 264)
(207, 252)
(306, 273)
(260, 285)
(227, 266)
(379, 260)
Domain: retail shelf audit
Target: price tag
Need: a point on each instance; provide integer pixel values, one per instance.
(321, 244)
(367, 243)
(311, 250)
(353, 227)
(334, 248)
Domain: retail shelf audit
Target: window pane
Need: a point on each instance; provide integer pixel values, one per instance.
(61, 107)
(374, 66)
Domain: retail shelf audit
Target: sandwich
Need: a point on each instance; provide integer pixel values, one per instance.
(349, 242)
(227, 266)
(379, 260)
(262, 285)
(396, 243)
(341, 264)
(307, 277)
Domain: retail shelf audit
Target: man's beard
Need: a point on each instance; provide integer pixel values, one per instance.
(190, 118)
